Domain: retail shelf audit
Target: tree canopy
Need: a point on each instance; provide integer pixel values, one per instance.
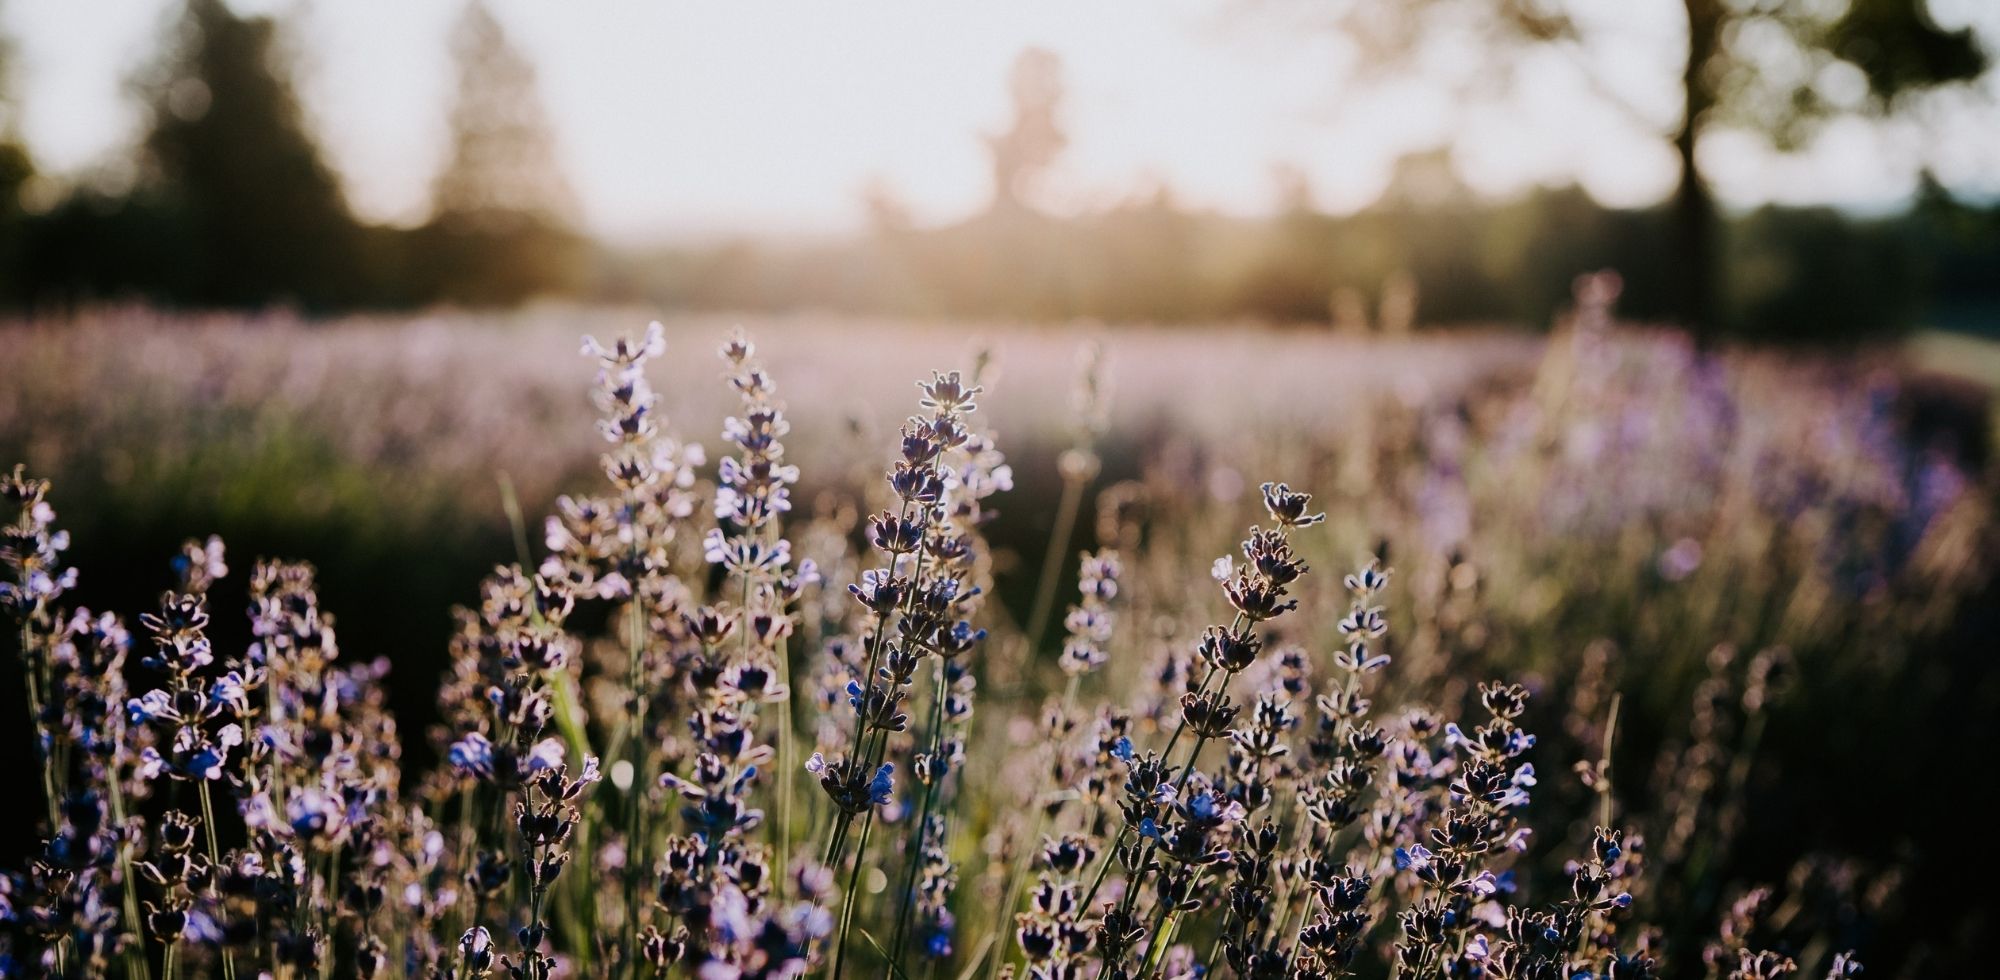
(1779, 68)
(228, 154)
(500, 228)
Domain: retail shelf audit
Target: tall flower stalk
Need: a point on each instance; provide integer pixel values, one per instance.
(753, 494)
(1158, 807)
(618, 548)
(918, 604)
(1089, 626)
(1077, 466)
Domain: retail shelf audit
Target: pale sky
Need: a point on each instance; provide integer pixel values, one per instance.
(679, 119)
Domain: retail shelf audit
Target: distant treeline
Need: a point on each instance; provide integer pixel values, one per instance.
(162, 250)
(1787, 274)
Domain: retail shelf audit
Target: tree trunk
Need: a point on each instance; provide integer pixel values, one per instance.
(1694, 213)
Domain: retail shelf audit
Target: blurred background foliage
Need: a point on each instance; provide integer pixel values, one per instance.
(234, 206)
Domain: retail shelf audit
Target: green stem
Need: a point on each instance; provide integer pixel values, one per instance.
(1131, 897)
(1017, 876)
(787, 768)
(1104, 865)
(511, 503)
(1163, 931)
(135, 954)
(1305, 911)
(1045, 589)
(787, 775)
(208, 823)
(468, 832)
(914, 857)
(787, 752)
(635, 849)
(1604, 770)
(1161, 939)
(839, 837)
(847, 901)
(329, 873)
(1288, 887)
(31, 670)
(1187, 769)
(214, 859)
(880, 640)
(862, 751)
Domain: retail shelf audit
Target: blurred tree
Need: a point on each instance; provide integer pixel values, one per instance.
(1775, 68)
(229, 155)
(500, 229)
(1034, 140)
(1815, 274)
(16, 170)
(1289, 272)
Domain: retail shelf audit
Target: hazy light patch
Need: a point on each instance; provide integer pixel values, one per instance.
(1628, 173)
(1352, 159)
(697, 120)
(71, 64)
(1851, 163)
(1966, 157)
(379, 98)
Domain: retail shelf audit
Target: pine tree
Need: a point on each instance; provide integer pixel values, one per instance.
(1035, 138)
(16, 168)
(230, 153)
(500, 229)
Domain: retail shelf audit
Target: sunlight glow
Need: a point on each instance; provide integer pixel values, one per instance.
(682, 121)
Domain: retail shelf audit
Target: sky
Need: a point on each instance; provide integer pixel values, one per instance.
(682, 120)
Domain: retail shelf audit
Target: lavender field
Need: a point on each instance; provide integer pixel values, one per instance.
(1580, 655)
